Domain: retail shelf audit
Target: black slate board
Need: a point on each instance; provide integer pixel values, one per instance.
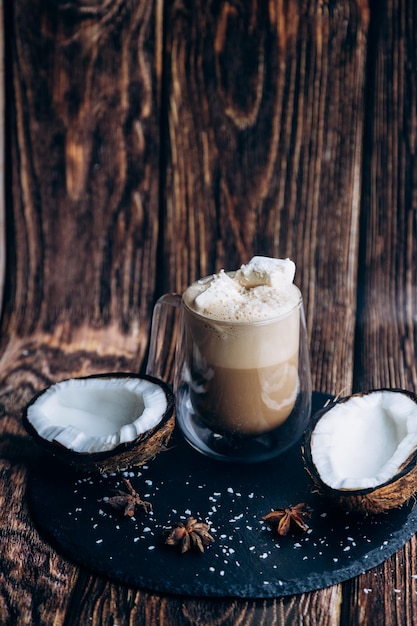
(246, 560)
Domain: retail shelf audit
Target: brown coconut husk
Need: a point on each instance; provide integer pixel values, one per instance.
(391, 494)
(130, 454)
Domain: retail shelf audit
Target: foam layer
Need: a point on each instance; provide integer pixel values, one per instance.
(261, 290)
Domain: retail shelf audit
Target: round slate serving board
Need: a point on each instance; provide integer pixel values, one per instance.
(247, 558)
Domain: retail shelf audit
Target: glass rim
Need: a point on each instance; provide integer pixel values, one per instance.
(242, 323)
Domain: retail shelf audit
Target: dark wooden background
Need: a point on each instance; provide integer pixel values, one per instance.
(148, 143)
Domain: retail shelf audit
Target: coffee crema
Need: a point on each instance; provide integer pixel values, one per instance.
(244, 331)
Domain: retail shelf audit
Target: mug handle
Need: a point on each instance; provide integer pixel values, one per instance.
(163, 336)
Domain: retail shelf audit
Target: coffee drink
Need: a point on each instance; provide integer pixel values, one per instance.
(243, 332)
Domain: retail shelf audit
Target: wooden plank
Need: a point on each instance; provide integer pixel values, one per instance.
(86, 185)
(2, 163)
(386, 341)
(264, 134)
(84, 118)
(265, 125)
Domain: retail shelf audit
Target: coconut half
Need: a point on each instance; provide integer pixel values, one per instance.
(362, 450)
(105, 422)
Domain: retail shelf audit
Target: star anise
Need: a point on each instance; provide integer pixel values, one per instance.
(128, 501)
(190, 535)
(283, 519)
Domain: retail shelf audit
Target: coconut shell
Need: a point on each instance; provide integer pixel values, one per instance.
(129, 454)
(391, 494)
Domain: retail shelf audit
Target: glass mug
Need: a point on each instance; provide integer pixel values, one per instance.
(243, 389)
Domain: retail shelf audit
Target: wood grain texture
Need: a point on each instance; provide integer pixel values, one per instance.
(257, 160)
(387, 313)
(153, 143)
(86, 185)
(81, 242)
(386, 324)
(2, 160)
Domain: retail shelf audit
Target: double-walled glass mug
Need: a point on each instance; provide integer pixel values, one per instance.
(243, 389)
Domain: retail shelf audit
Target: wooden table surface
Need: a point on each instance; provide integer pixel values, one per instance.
(148, 143)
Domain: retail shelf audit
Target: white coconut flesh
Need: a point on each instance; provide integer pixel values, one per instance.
(363, 442)
(97, 414)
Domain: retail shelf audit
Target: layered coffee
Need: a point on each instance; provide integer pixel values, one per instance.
(243, 334)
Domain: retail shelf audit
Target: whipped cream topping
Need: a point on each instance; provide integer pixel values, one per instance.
(261, 290)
